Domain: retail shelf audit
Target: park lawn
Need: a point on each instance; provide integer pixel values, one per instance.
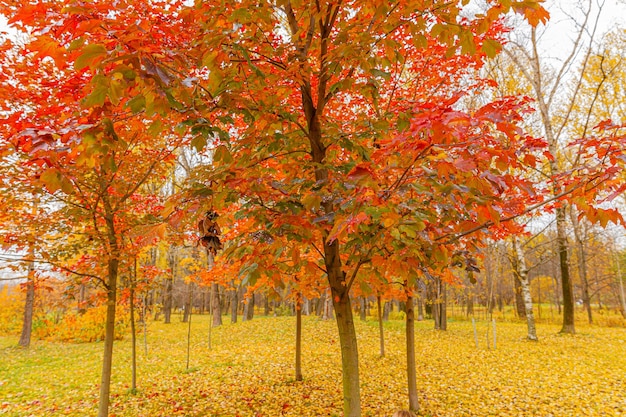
(249, 372)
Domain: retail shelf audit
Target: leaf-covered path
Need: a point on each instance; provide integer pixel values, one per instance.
(249, 372)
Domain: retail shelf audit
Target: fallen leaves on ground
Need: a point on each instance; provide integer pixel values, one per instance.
(250, 372)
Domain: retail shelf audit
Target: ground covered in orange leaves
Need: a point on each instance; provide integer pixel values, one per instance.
(249, 372)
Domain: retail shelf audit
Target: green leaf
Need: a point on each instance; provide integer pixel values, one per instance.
(136, 104)
(221, 154)
(92, 55)
(491, 48)
(199, 142)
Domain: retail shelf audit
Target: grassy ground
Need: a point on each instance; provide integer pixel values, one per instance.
(249, 372)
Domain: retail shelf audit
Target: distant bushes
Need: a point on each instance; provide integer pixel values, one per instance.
(79, 328)
(69, 326)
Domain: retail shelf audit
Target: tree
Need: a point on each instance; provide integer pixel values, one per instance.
(92, 127)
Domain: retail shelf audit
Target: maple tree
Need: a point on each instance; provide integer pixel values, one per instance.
(328, 128)
(93, 145)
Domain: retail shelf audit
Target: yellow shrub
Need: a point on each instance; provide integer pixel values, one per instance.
(11, 310)
(80, 328)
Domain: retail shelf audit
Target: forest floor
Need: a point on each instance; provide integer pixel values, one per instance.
(249, 371)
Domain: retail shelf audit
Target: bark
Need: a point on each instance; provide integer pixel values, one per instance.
(29, 304)
(622, 294)
(410, 355)
(234, 303)
(266, 305)
(299, 343)
(420, 309)
(349, 354)
(381, 330)
(188, 304)
(522, 276)
(167, 298)
(133, 332)
(216, 309)
(386, 310)
(439, 305)
(363, 309)
(520, 308)
(582, 264)
(566, 283)
(328, 308)
(249, 310)
(345, 325)
(112, 274)
(469, 297)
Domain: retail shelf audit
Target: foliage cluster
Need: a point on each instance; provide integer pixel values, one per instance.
(79, 327)
(11, 311)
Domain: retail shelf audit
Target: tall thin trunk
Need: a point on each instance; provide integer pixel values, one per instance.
(522, 272)
(133, 337)
(381, 329)
(620, 280)
(411, 368)
(216, 309)
(266, 305)
(582, 264)
(234, 304)
(347, 332)
(167, 298)
(29, 304)
(145, 325)
(133, 331)
(250, 307)
(112, 273)
(189, 327)
(188, 303)
(566, 282)
(299, 341)
(363, 308)
(519, 298)
(386, 310)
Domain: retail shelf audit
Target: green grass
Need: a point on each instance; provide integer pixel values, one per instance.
(249, 372)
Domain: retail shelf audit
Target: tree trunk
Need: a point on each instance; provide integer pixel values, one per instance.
(439, 305)
(299, 342)
(133, 331)
(112, 272)
(582, 264)
(622, 295)
(522, 277)
(188, 304)
(520, 308)
(381, 330)
(216, 309)
(566, 283)
(251, 303)
(347, 333)
(363, 309)
(410, 355)
(29, 304)
(328, 308)
(420, 308)
(234, 303)
(167, 299)
(386, 310)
